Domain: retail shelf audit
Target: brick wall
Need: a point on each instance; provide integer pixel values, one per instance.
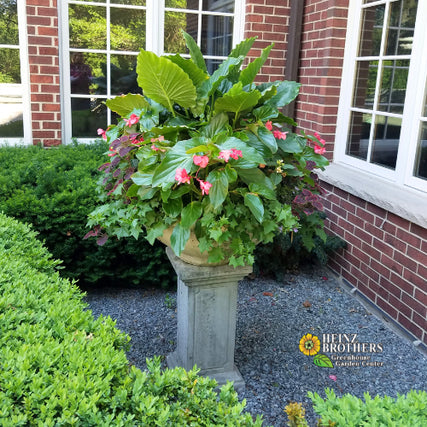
(42, 28)
(385, 258)
(268, 20)
(321, 58)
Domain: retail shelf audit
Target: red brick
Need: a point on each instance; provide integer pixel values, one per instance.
(419, 231)
(380, 268)
(375, 231)
(390, 288)
(38, 78)
(391, 264)
(366, 291)
(403, 284)
(405, 261)
(400, 306)
(44, 134)
(384, 305)
(421, 297)
(366, 216)
(420, 321)
(413, 278)
(410, 326)
(418, 256)
(395, 243)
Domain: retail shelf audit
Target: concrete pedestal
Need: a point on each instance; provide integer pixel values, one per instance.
(207, 304)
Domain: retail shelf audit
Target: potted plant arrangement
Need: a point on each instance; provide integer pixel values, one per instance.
(206, 163)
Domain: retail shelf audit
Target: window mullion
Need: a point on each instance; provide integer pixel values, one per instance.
(155, 23)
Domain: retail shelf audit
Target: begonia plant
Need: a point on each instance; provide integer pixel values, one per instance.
(209, 154)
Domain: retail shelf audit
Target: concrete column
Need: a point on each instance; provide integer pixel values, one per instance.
(207, 305)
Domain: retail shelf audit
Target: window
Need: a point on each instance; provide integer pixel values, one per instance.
(102, 38)
(382, 125)
(14, 110)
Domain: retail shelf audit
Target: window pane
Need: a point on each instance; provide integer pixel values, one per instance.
(371, 30)
(11, 122)
(88, 27)
(10, 71)
(386, 141)
(174, 23)
(366, 79)
(127, 29)
(421, 161)
(134, 2)
(218, 5)
(401, 27)
(183, 4)
(358, 139)
(393, 86)
(8, 22)
(123, 75)
(87, 73)
(217, 35)
(86, 122)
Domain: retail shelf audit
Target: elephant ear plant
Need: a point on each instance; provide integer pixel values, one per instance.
(208, 154)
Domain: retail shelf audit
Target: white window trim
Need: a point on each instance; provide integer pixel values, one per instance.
(154, 43)
(25, 80)
(394, 190)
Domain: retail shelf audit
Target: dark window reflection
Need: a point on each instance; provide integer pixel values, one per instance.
(219, 5)
(358, 138)
(174, 23)
(372, 27)
(123, 75)
(8, 22)
(217, 35)
(394, 79)
(183, 4)
(386, 141)
(401, 27)
(421, 160)
(86, 122)
(366, 80)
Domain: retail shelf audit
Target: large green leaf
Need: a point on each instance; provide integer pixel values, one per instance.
(248, 74)
(254, 203)
(267, 138)
(292, 144)
(217, 123)
(125, 104)
(142, 178)
(195, 53)
(179, 238)
(237, 100)
(209, 86)
(174, 159)
(256, 176)
(219, 190)
(173, 207)
(286, 92)
(190, 214)
(164, 82)
(197, 75)
(243, 48)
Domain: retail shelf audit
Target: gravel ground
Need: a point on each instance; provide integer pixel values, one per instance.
(272, 318)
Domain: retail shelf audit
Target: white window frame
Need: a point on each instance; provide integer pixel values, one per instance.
(25, 80)
(402, 175)
(154, 42)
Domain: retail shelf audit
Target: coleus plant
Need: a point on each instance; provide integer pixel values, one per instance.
(206, 154)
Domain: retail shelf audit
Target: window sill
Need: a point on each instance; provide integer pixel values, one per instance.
(405, 202)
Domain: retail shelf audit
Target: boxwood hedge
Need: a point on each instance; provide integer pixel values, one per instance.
(54, 190)
(61, 367)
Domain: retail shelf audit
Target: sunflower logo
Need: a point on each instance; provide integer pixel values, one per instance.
(309, 345)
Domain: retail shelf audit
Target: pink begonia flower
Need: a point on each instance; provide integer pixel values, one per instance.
(112, 152)
(182, 176)
(137, 141)
(279, 135)
(161, 138)
(201, 161)
(226, 154)
(333, 377)
(205, 186)
(132, 120)
(102, 133)
(316, 135)
(154, 148)
(319, 150)
(269, 125)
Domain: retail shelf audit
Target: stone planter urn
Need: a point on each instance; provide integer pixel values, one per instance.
(207, 305)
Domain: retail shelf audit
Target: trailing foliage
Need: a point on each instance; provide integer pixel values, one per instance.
(59, 366)
(350, 411)
(54, 189)
(209, 154)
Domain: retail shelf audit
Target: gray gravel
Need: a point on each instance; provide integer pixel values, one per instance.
(272, 318)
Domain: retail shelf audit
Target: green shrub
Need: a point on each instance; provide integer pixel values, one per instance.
(350, 411)
(54, 190)
(60, 367)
